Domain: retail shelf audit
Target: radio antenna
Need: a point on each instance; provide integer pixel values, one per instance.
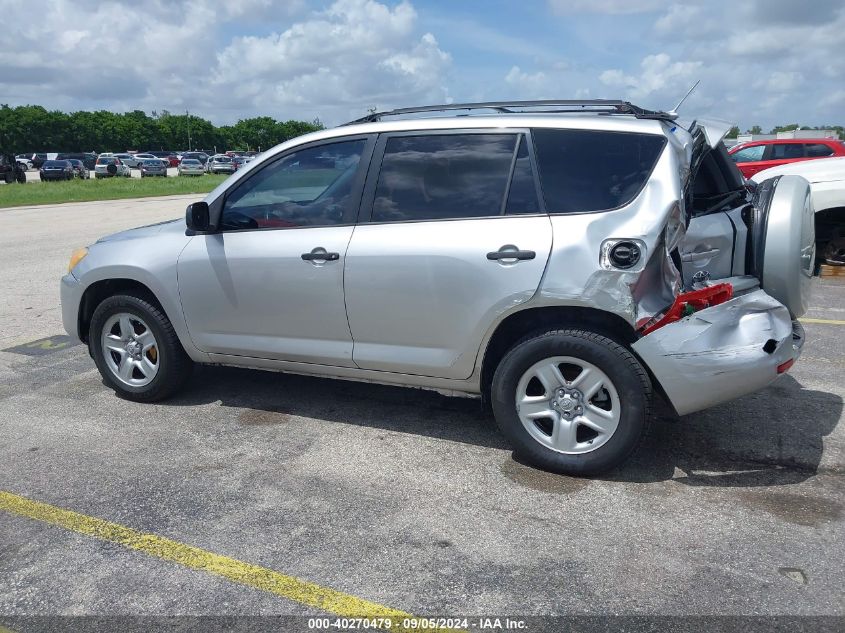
(689, 92)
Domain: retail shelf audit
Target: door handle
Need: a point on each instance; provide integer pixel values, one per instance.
(320, 255)
(696, 257)
(511, 254)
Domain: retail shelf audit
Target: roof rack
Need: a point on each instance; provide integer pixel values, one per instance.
(596, 106)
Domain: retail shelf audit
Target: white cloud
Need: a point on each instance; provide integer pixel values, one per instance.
(355, 54)
(161, 55)
(606, 6)
(528, 85)
(659, 74)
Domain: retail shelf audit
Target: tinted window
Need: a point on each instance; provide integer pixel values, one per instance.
(522, 195)
(107, 160)
(591, 170)
(749, 154)
(817, 149)
(311, 187)
(787, 150)
(437, 177)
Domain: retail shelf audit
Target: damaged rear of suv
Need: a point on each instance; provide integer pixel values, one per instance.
(564, 260)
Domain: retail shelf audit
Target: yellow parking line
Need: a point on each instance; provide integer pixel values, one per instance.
(289, 587)
(823, 321)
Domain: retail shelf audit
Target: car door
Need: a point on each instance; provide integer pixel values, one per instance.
(269, 284)
(781, 154)
(451, 235)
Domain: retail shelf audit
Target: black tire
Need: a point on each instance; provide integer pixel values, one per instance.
(175, 366)
(617, 362)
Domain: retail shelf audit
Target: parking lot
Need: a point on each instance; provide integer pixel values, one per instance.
(402, 498)
(32, 174)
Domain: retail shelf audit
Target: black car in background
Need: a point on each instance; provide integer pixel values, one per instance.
(79, 168)
(56, 170)
(89, 159)
(10, 171)
(200, 156)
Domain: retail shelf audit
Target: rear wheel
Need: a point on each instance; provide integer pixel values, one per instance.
(136, 349)
(571, 401)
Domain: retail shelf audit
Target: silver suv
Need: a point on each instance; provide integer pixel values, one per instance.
(563, 260)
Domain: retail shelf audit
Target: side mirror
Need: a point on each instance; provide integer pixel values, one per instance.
(197, 217)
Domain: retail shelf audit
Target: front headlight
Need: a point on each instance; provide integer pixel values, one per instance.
(77, 256)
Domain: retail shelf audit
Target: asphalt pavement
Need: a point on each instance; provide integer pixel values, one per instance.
(400, 497)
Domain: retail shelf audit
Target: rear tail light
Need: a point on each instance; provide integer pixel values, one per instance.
(784, 367)
(688, 303)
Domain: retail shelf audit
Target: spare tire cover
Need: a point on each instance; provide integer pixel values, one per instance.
(112, 169)
(784, 241)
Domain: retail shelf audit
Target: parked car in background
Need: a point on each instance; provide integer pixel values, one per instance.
(152, 167)
(239, 162)
(25, 161)
(79, 168)
(202, 157)
(108, 166)
(36, 158)
(168, 157)
(88, 158)
(130, 160)
(56, 170)
(220, 164)
(759, 155)
(537, 260)
(190, 167)
(827, 190)
(11, 170)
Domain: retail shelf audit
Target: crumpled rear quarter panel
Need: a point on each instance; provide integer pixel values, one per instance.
(717, 354)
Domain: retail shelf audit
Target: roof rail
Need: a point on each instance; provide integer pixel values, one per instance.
(597, 106)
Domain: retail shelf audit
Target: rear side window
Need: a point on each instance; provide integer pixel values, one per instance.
(443, 176)
(587, 170)
(787, 150)
(816, 150)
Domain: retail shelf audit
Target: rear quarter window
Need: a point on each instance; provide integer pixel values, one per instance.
(589, 170)
(816, 150)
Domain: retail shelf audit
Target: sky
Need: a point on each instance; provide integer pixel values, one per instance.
(760, 62)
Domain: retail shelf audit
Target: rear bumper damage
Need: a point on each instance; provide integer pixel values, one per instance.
(723, 352)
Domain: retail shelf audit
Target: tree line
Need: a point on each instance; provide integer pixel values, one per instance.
(32, 128)
(756, 129)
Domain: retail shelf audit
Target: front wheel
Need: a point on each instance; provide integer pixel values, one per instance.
(571, 401)
(136, 349)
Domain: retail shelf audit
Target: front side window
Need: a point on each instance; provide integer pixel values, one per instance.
(443, 176)
(589, 170)
(749, 154)
(310, 187)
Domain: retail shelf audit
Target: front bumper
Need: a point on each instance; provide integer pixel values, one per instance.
(70, 291)
(721, 353)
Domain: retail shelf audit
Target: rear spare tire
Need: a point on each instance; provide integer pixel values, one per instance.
(783, 241)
